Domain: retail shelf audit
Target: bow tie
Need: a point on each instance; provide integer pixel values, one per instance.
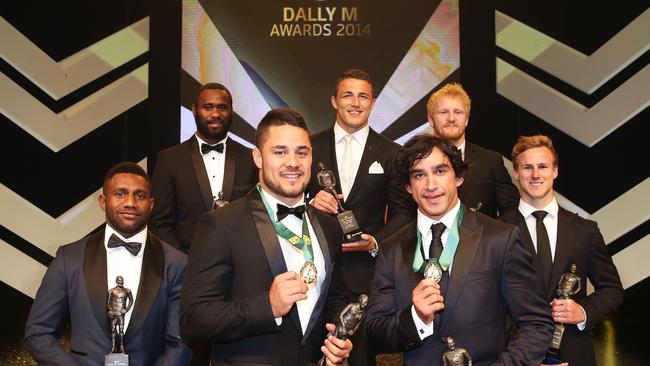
(132, 247)
(284, 211)
(205, 148)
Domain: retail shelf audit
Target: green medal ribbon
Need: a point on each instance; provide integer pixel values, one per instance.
(448, 251)
(302, 243)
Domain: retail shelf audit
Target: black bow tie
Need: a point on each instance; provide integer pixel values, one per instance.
(205, 148)
(132, 247)
(284, 211)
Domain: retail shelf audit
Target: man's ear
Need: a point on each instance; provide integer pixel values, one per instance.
(102, 201)
(257, 157)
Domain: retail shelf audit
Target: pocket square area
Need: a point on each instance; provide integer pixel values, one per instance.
(375, 168)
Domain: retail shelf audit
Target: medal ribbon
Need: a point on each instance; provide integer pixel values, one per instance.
(448, 251)
(302, 243)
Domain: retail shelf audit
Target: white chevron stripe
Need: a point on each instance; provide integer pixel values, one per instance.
(37, 227)
(432, 57)
(60, 78)
(208, 58)
(632, 262)
(57, 131)
(19, 270)
(587, 125)
(586, 73)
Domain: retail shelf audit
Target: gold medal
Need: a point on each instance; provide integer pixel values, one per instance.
(309, 273)
(433, 270)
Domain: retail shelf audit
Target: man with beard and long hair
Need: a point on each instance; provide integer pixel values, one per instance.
(487, 187)
(260, 269)
(188, 177)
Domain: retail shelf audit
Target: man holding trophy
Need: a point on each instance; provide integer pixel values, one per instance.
(567, 250)
(486, 272)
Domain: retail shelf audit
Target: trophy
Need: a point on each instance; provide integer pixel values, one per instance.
(455, 356)
(219, 202)
(568, 286)
(349, 320)
(119, 303)
(348, 222)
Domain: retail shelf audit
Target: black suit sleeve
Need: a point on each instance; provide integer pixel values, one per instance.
(388, 329)
(49, 311)
(163, 219)
(175, 352)
(608, 291)
(505, 193)
(207, 312)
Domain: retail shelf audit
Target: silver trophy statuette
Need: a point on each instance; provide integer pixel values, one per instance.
(433, 270)
(219, 202)
(568, 286)
(120, 301)
(349, 225)
(349, 320)
(455, 356)
(309, 273)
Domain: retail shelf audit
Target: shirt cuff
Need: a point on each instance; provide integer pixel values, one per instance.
(278, 321)
(424, 330)
(374, 250)
(582, 325)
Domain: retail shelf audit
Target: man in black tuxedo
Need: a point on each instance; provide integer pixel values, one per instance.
(362, 162)
(558, 239)
(487, 187)
(248, 288)
(188, 177)
(488, 273)
(77, 282)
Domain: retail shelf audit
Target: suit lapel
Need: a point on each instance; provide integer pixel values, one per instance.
(229, 169)
(329, 268)
(519, 220)
(370, 152)
(200, 173)
(95, 277)
(151, 276)
(469, 151)
(270, 243)
(470, 236)
(409, 244)
(562, 249)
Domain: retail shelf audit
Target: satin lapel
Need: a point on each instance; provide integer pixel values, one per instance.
(229, 169)
(409, 243)
(200, 173)
(329, 269)
(270, 243)
(95, 277)
(470, 236)
(370, 152)
(562, 248)
(151, 276)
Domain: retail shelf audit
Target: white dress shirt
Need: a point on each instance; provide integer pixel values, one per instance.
(295, 259)
(358, 143)
(120, 262)
(215, 164)
(424, 226)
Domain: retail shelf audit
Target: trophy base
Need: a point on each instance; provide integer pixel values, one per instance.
(116, 359)
(348, 222)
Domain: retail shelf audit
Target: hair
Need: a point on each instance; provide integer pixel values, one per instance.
(125, 167)
(212, 86)
(354, 74)
(420, 147)
(450, 90)
(278, 117)
(530, 142)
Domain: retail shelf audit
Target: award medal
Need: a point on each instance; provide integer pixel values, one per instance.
(433, 270)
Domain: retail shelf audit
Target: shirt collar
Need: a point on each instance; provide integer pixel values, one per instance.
(425, 222)
(462, 149)
(273, 203)
(527, 210)
(360, 136)
(140, 237)
(200, 140)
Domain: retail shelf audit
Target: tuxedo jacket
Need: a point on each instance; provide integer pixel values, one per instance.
(369, 197)
(181, 188)
(490, 277)
(235, 256)
(75, 287)
(487, 182)
(579, 242)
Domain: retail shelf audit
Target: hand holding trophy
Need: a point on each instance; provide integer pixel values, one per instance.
(348, 222)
